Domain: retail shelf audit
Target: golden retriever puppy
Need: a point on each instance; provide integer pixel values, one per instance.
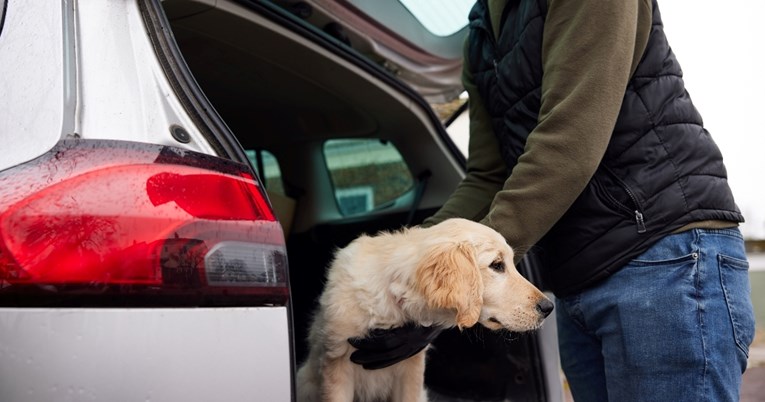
(456, 273)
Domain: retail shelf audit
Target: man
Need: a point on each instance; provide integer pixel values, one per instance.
(586, 148)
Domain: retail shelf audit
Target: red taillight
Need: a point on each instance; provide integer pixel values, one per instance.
(138, 219)
(191, 191)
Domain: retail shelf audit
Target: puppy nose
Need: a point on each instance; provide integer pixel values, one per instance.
(545, 307)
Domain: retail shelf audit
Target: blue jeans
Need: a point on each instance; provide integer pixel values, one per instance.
(675, 324)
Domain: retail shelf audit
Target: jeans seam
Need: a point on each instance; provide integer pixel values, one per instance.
(699, 273)
(727, 232)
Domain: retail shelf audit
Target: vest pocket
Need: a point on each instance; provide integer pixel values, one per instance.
(620, 196)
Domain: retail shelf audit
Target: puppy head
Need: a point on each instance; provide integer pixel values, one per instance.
(448, 279)
(509, 300)
(472, 271)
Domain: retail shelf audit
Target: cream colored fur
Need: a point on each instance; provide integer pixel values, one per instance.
(439, 275)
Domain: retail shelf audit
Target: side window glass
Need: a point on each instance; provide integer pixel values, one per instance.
(267, 166)
(366, 173)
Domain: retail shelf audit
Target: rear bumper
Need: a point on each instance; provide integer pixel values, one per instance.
(127, 354)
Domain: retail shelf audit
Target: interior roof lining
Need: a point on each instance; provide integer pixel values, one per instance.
(322, 87)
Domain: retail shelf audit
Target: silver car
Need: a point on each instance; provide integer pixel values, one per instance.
(174, 179)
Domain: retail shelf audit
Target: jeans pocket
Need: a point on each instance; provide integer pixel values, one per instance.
(734, 276)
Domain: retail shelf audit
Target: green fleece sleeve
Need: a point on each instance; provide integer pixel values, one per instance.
(486, 172)
(589, 52)
(590, 49)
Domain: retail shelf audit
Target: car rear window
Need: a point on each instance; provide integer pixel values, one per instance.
(366, 173)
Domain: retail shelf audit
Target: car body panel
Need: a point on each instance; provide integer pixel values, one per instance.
(132, 354)
(38, 103)
(75, 79)
(89, 70)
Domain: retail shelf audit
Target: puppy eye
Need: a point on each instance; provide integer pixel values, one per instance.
(498, 266)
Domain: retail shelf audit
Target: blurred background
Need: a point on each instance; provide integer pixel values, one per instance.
(719, 46)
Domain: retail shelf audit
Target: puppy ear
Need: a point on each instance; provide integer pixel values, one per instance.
(449, 278)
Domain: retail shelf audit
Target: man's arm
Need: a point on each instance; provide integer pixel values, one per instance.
(590, 50)
(486, 172)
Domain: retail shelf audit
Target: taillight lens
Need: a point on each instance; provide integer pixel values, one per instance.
(138, 222)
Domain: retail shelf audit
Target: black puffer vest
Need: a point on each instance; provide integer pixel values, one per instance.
(661, 170)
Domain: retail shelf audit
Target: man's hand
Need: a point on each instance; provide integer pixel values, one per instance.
(386, 347)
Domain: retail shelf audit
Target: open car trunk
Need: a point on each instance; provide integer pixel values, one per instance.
(343, 148)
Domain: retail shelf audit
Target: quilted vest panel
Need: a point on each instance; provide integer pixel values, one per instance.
(661, 170)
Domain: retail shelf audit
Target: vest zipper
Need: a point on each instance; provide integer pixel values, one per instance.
(639, 218)
(490, 34)
(640, 222)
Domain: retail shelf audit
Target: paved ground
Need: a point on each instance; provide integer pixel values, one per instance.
(753, 387)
